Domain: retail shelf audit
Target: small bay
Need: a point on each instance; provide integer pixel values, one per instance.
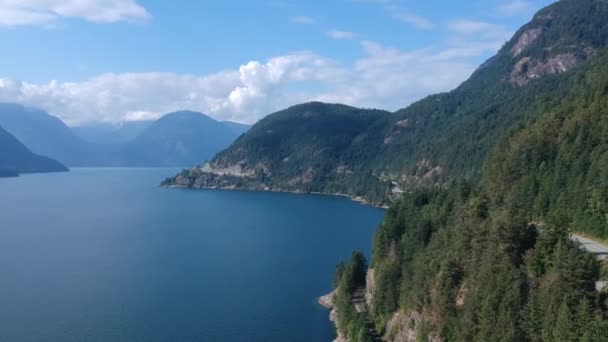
(108, 255)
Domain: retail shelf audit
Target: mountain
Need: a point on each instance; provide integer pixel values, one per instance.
(178, 139)
(111, 134)
(433, 141)
(492, 258)
(305, 146)
(15, 158)
(45, 134)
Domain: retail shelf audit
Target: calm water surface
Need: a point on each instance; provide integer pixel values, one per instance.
(107, 255)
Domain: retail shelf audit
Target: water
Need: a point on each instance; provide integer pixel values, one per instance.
(107, 255)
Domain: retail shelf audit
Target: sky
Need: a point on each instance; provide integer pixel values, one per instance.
(89, 61)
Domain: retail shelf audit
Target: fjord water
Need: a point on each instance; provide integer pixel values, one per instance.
(107, 255)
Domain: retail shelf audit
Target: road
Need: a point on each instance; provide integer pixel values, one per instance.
(592, 246)
(597, 248)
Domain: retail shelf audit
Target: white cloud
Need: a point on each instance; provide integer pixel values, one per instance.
(302, 20)
(47, 12)
(383, 77)
(390, 78)
(515, 7)
(342, 35)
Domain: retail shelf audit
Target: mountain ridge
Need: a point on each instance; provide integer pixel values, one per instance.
(168, 141)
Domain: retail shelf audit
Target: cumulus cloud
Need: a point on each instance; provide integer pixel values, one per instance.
(390, 78)
(341, 35)
(47, 12)
(384, 77)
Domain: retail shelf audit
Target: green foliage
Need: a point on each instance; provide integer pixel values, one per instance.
(340, 269)
(483, 273)
(351, 277)
(558, 164)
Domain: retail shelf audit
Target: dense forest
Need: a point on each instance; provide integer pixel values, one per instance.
(474, 270)
(493, 261)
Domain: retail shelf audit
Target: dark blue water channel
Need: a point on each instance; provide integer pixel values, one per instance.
(108, 255)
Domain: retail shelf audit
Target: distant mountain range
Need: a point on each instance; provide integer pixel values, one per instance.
(15, 158)
(45, 134)
(111, 134)
(175, 140)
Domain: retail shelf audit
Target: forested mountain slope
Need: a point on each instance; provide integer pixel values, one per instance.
(558, 163)
(494, 261)
(440, 138)
(303, 148)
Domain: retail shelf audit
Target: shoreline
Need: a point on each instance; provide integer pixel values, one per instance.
(358, 200)
(327, 302)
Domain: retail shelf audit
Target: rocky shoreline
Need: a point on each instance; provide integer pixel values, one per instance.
(327, 301)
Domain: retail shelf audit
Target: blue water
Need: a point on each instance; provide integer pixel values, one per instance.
(107, 255)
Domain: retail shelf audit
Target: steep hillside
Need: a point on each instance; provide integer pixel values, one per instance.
(494, 261)
(302, 148)
(45, 134)
(178, 139)
(15, 158)
(455, 131)
(440, 138)
(558, 164)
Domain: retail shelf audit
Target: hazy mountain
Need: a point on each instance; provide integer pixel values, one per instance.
(45, 134)
(15, 158)
(111, 134)
(179, 139)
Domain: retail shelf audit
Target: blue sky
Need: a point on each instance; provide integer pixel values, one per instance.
(114, 60)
